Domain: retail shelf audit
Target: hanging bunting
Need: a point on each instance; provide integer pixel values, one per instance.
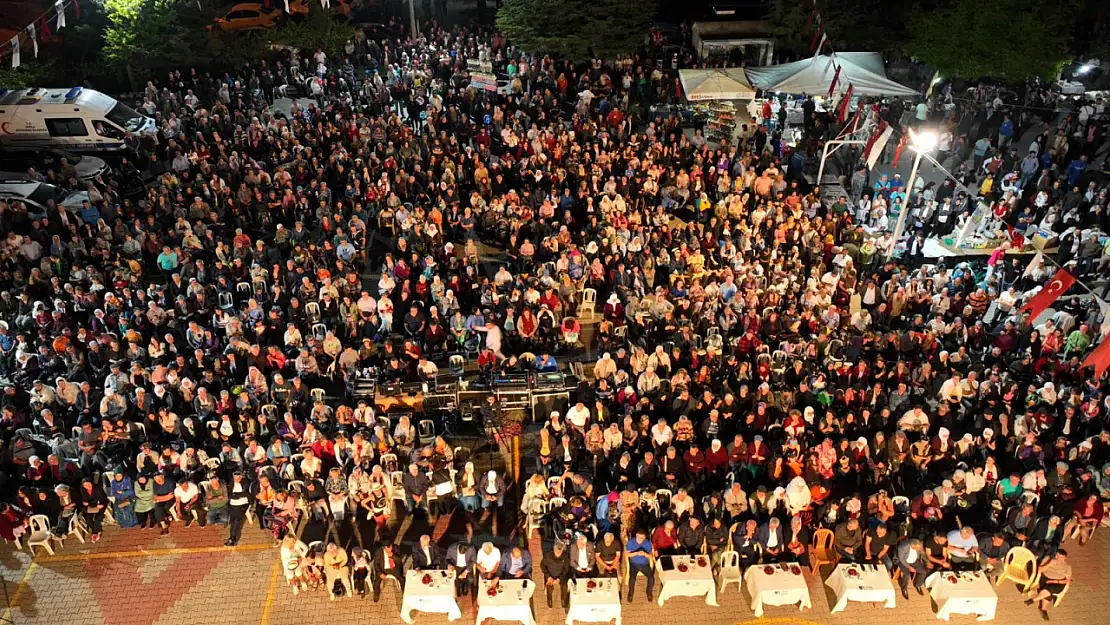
(844, 104)
(836, 78)
(325, 4)
(77, 9)
(61, 9)
(286, 6)
(829, 65)
(34, 39)
(44, 28)
(821, 44)
(816, 37)
(1056, 287)
(15, 52)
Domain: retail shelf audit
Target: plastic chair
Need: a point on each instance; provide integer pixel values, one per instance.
(554, 484)
(729, 572)
(397, 479)
(534, 516)
(226, 300)
(76, 529)
(243, 287)
(660, 493)
(312, 309)
(318, 394)
(555, 503)
(319, 331)
(456, 364)
(822, 551)
(40, 535)
(589, 303)
(426, 429)
(1020, 566)
(389, 460)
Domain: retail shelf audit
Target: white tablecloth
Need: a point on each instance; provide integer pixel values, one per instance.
(437, 596)
(962, 593)
(600, 604)
(866, 583)
(778, 587)
(512, 603)
(696, 581)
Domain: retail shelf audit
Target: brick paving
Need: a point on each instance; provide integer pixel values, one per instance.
(140, 578)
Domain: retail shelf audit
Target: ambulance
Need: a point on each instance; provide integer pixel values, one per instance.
(77, 119)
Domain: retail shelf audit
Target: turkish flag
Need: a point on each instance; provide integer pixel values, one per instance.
(1100, 358)
(1056, 287)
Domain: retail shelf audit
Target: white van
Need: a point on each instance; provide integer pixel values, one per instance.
(76, 119)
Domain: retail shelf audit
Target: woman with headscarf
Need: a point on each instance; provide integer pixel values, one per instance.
(797, 496)
(122, 494)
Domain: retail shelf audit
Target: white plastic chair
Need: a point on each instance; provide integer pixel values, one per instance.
(40, 535)
(589, 303)
(729, 572)
(312, 309)
(319, 331)
(318, 394)
(397, 479)
(554, 484)
(388, 460)
(536, 511)
(427, 429)
(76, 527)
(555, 503)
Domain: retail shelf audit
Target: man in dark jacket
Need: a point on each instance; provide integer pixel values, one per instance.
(691, 534)
(416, 486)
(460, 559)
(556, 570)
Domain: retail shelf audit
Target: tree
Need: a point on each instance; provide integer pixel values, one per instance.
(1005, 39)
(852, 25)
(577, 29)
(145, 35)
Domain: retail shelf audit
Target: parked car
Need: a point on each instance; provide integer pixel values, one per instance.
(14, 165)
(36, 195)
(255, 15)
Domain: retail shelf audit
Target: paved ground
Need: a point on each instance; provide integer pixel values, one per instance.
(137, 577)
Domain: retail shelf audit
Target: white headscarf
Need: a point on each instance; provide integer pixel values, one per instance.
(797, 495)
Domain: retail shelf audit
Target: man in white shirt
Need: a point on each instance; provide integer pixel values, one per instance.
(579, 416)
(188, 503)
(488, 561)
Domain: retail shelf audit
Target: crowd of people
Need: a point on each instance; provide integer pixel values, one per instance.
(186, 351)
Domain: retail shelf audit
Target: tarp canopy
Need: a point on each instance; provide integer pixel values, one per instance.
(864, 70)
(716, 84)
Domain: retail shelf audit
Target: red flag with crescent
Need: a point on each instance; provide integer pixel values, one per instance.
(1052, 291)
(1099, 358)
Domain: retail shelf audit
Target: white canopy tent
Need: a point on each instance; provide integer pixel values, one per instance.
(864, 70)
(716, 84)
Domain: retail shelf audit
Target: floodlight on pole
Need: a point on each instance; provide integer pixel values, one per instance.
(920, 142)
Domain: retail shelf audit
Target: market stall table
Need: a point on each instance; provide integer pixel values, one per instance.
(867, 583)
(962, 593)
(777, 585)
(430, 591)
(595, 600)
(510, 600)
(687, 576)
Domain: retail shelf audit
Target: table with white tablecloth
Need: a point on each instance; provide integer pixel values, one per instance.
(510, 602)
(867, 583)
(962, 593)
(595, 600)
(774, 585)
(430, 591)
(686, 576)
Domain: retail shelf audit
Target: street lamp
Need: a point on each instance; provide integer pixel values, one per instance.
(920, 142)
